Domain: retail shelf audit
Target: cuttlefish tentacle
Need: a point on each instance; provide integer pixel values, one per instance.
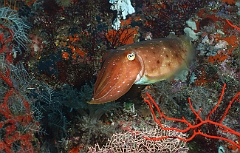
(140, 63)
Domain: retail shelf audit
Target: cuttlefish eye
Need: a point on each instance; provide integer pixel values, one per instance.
(131, 56)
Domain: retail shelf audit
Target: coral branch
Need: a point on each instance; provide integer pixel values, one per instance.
(235, 27)
(196, 128)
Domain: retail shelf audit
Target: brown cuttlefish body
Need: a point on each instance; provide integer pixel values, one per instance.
(144, 62)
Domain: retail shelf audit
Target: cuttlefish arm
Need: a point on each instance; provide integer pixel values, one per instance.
(140, 63)
(119, 72)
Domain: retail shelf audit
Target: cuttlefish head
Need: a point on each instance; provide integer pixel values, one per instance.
(121, 68)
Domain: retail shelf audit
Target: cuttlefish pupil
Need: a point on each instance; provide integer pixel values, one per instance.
(144, 62)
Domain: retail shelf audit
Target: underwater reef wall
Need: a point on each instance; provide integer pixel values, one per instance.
(52, 50)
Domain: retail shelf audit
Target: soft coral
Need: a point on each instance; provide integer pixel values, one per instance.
(230, 2)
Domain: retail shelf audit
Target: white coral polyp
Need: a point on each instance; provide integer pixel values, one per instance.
(123, 8)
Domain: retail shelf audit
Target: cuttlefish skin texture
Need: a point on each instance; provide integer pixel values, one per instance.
(144, 62)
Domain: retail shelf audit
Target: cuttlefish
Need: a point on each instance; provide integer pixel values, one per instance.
(144, 62)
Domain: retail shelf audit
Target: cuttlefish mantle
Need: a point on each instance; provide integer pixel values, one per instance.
(144, 62)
